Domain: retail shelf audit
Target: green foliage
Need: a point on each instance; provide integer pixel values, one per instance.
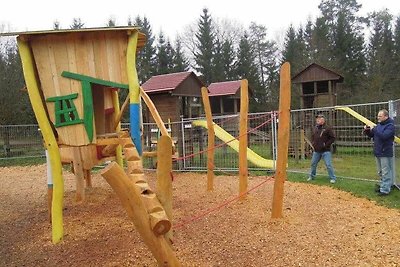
(180, 62)
(15, 107)
(77, 24)
(146, 58)
(205, 47)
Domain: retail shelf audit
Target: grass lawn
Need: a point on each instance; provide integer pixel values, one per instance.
(359, 188)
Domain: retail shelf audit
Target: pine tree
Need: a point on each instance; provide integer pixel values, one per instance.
(147, 55)
(320, 44)
(265, 52)
(218, 66)
(77, 24)
(180, 63)
(161, 56)
(247, 69)
(396, 54)
(205, 47)
(381, 73)
(346, 36)
(228, 60)
(111, 22)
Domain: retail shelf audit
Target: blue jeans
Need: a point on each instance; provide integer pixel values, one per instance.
(327, 157)
(385, 167)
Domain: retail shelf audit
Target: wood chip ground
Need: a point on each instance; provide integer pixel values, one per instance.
(322, 226)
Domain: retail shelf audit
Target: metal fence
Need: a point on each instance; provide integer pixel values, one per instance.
(352, 151)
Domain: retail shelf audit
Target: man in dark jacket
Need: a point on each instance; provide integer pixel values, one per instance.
(322, 138)
(383, 136)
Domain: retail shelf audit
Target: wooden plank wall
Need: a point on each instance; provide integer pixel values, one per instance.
(97, 54)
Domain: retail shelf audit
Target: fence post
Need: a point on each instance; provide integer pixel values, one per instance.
(391, 115)
(183, 143)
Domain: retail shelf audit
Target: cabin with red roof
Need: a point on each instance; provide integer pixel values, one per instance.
(174, 95)
(225, 97)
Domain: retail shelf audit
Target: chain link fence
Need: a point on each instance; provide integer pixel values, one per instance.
(352, 151)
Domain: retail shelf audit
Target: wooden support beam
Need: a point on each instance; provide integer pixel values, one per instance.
(121, 112)
(164, 181)
(283, 141)
(244, 110)
(210, 139)
(79, 174)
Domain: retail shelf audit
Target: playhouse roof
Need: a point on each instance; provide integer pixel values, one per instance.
(167, 82)
(224, 88)
(316, 72)
(28, 34)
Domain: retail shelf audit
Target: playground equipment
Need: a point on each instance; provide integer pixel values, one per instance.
(232, 142)
(73, 78)
(362, 118)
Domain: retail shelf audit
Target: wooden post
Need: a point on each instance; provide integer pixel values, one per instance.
(210, 138)
(244, 107)
(283, 140)
(164, 181)
(133, 196)
(79, 175)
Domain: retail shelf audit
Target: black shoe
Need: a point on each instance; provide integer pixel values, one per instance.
(381, 194)
(377, 189)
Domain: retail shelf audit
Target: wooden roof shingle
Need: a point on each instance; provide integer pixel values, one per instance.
(166, 82)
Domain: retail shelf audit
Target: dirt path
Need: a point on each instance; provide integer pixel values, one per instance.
(322, 226)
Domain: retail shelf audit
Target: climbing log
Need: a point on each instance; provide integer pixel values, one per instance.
(135, 199)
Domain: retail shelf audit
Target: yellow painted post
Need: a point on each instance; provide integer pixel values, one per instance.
(283, 140)
(50, 141)
(244, 108)
(210, 139)
(164, 181)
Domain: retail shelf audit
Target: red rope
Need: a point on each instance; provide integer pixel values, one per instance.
(208, 211)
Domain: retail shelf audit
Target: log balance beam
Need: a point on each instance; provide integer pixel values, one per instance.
(141, 204)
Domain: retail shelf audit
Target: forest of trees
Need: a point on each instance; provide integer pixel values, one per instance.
(364, 50)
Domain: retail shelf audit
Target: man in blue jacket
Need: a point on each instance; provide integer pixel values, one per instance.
(383, 135)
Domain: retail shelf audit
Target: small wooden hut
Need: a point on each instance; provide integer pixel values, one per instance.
(318, 86)
(224, 97)
(174, 95)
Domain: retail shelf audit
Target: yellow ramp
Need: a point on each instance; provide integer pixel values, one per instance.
(362, 119)
(226, 137)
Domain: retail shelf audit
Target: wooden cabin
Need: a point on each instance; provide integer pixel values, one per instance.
(224, 97)
(174, 95)
(318, 86)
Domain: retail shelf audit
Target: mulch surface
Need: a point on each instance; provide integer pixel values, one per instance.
(322, 226)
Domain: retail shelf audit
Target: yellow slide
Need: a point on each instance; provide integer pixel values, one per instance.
(226, 137)
(362, 119)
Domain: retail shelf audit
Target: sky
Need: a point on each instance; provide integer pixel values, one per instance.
(170, 16)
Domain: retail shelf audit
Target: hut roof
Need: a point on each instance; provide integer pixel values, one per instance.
(27, 34)
(315, 72)
(167, 82)
(224, 88)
